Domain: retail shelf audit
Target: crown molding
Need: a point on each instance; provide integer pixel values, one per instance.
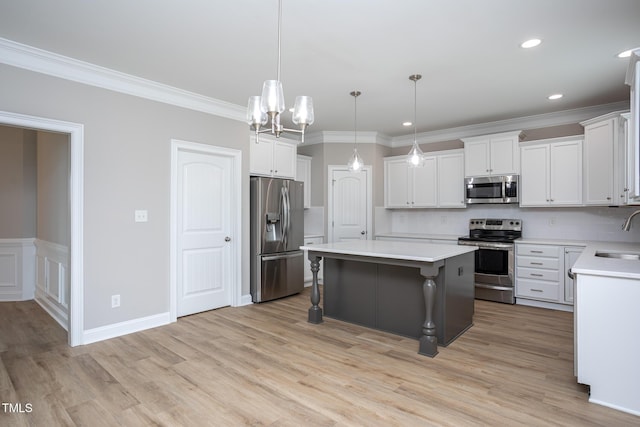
(49, 63)
(529, 122)
(346, 137)
(41, 61)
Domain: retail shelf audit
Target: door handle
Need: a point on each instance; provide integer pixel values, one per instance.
(362, 232)
(227, 239)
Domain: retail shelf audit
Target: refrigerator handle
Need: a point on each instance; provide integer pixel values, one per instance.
(288, 219)
(285, 214)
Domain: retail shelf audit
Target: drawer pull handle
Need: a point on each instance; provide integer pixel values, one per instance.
(536, 252)
(535, 263)
(536, 290)
(536, 274)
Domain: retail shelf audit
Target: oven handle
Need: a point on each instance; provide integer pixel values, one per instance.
(485, 245)
(494, 287)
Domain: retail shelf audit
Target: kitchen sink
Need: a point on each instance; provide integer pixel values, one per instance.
(619, 255)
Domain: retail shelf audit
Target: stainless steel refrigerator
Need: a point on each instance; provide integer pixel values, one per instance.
(277, 232)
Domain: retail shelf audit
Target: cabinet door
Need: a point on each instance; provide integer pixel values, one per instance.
(451, 181)
(566, 173)
(598, 163)
(476, 158)
(284, 160)
(425, 184)
(261, 158)
(571, 254)
(505, 158)
(534, 178)
(303, 173)
(396, 184)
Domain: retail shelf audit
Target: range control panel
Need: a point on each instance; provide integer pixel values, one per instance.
(495, 224)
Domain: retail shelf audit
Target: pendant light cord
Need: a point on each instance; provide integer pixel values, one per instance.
(279, 35)
(415, 111)
(355, 121)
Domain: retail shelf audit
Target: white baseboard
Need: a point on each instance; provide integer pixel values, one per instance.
(58, 313)
(543, 304)
(245, 300)
(123, 328)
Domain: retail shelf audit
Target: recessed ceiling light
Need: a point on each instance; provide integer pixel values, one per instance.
(626, 53)
(555, 96)
(407, 123)
(530, 43)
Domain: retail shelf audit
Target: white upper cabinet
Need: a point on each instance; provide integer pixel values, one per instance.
(551, 172)
(451, 180)
(439, 183)
(272, 158)
(488, 155)
(303, 174)
(605, 176)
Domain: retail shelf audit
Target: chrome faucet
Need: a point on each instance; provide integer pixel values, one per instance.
(627, 224)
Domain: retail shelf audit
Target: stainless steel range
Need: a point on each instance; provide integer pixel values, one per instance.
(495, 261)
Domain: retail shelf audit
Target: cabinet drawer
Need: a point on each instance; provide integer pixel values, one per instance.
(536, 289)
(538, 262)
(537, 274)
(538, 250)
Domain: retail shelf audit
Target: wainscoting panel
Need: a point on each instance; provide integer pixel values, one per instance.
(17, 269)
(52, 286)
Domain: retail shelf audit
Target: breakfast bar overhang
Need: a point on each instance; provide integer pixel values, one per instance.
(420, 290)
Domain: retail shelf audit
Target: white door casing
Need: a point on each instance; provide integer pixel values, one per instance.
(205, 228)
(349, 204)
(76, 211)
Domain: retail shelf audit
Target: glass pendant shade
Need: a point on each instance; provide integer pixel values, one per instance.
(415, 158)
(255, 116)
(355, 162)
(303, 111)
(272, 97)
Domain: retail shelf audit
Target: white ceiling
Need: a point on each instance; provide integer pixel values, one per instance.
(466, 50)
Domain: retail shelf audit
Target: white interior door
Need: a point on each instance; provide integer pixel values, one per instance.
(349, 204)
(204, 231)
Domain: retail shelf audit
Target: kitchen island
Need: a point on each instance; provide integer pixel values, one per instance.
(419, 290)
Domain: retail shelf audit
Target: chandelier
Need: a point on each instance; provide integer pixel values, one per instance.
(270, 105)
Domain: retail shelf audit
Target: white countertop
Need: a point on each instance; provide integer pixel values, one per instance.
(420, 236)
(546, 241)
(588, 263)
(426, 252)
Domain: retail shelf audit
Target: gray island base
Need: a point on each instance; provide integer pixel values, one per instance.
(422, 291)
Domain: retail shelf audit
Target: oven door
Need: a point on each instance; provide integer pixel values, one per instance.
(494, 264)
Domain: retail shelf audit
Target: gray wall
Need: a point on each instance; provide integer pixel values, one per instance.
(18, 186)
(53, 188)
(126, 167)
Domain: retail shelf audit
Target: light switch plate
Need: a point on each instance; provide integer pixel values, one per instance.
(141, 216)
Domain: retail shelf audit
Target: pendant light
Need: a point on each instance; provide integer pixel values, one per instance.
(415, 158)
(355, 162)
(270, 105)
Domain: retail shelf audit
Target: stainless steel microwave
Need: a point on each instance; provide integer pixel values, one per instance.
(492, 189)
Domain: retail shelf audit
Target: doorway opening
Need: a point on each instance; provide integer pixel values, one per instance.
(75, 131)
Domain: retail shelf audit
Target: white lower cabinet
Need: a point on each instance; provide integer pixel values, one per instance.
(541, 273)
(308, 275)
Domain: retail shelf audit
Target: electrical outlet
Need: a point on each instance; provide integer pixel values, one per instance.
(141, 216)
(115, 301)
(552, 221)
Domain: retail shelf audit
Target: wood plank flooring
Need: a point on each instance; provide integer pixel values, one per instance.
(265, 365)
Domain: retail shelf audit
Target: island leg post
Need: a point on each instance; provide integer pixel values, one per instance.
(315, 311)
(429, 339)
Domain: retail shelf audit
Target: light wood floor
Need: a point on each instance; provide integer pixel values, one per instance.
(265, 365)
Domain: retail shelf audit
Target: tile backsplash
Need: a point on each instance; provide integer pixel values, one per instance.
(585, 223)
